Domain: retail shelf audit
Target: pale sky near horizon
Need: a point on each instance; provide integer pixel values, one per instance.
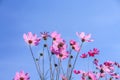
(101, 18)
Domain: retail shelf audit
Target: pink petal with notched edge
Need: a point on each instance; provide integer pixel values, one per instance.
(82, 34)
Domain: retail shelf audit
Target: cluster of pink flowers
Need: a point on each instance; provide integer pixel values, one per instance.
(59, 51)
(59, 46)
(104, 70)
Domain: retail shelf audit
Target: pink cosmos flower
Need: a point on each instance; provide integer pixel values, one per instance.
(63, 55)
(31, 39)
(59, 48)
(75, 46)
(91, 76)
(72, 42)
(55, 35)
(59, 44)
(109, 63)
(93, 52)
(53, 50)
(21, 76)
(104, 69)
(76, 71)
(83, 37)
(45, 35)
(84, 55)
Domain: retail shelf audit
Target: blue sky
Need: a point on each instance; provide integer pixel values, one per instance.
(98, 17)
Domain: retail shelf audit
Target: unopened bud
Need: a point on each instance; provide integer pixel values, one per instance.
(41, 54)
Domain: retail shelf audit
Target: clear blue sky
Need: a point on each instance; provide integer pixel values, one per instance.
(99, 17)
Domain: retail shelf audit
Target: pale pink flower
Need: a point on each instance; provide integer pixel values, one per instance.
(31, 39)
(53, 50)
(59, 44)
(63, 55)
(75, 46)
(83, 72)
(83, 37)
(84, 55)
(21, 76)
(104, 69)
(59, 48)
(91, 76)
(55, 35)
(64, 77)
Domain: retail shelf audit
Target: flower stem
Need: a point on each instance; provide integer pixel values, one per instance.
(75, 62)
(50, 64)
(43, 63)
(37, 68)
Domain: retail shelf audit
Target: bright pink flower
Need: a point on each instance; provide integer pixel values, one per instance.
(76, 71)
(55, 35)
(109, 63)
(84, 55)
(93, 52)
(21, 76)
(75, 46)
(31, 39)
(83, 37)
